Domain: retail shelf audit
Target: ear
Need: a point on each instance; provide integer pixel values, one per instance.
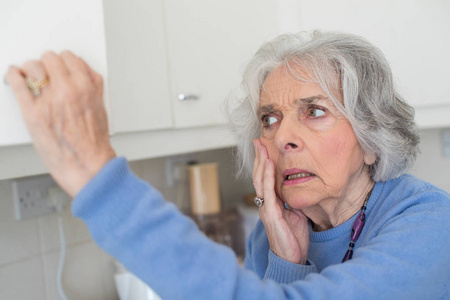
(369, 158)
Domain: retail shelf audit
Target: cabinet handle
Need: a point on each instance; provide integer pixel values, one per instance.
(184, 97)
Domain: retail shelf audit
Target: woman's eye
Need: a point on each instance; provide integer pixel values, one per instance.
(268, 120)
(315, 112)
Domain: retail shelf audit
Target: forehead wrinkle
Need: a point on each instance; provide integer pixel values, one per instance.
(277, 86)
(265, 109)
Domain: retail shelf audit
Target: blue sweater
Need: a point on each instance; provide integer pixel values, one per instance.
(402, 253)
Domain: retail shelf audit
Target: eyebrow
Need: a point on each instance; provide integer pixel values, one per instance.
(310, 100)
(265, 109)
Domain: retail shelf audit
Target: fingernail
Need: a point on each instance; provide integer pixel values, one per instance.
(267, 162)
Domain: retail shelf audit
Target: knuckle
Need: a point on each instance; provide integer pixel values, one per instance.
(48, 55)
(66, 53)
(65, 92)
(98, 79)
(82, 80)
(86, 92)
(29, 64)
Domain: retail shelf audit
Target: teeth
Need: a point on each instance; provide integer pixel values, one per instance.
(299, 175)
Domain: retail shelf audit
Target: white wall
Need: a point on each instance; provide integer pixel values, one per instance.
(431, 165)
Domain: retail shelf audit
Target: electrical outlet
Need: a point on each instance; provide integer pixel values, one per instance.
(31, 196)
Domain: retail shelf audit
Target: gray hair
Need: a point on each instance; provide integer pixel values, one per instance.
(381, 120)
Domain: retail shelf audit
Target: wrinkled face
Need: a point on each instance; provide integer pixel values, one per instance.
(313, 147)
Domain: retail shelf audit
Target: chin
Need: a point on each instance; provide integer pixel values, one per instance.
(298, 198)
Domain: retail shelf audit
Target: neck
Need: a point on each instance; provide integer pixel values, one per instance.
(332, 212)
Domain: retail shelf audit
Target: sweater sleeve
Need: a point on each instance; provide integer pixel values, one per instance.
(268, 265)
(283, 271)
(130, 220)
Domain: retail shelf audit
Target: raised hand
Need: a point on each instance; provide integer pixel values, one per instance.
(286, 228)
(66, 118)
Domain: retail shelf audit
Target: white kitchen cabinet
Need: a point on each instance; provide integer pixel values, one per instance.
(414, 36)
(27, 29)
(137, 64)
(208, 43)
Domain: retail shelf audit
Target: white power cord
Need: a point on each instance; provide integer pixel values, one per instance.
(59, 200)
(62, 256)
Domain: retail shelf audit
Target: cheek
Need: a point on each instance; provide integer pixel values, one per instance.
(336, 146)
(341, 153)
(274, 154)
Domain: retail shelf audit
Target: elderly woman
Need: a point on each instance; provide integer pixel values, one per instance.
(332, 140)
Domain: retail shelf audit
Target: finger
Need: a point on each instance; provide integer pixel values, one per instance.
(263, 154)
(270, 199)
(16, 79)
(34, 70)
(79, 75)
(258, 179)
(73, 63)
(256, 144)
(55, 67)
(96, 78)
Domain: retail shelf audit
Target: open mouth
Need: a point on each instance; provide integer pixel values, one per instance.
(298, 175)
(295, 176)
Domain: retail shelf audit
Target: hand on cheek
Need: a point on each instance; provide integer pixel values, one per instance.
(286, 230)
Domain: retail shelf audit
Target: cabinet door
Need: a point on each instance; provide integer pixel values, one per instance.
(208, 43)
(28, 28)
(137, 64)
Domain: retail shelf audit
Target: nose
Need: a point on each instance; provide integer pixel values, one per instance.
(288, 136)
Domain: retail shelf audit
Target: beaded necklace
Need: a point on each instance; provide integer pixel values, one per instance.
(357, 228)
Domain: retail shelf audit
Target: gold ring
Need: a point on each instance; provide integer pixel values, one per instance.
(35, 86)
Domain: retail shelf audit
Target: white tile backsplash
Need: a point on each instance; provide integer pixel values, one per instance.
(82, 273)
(75, 230)
(23, 280)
